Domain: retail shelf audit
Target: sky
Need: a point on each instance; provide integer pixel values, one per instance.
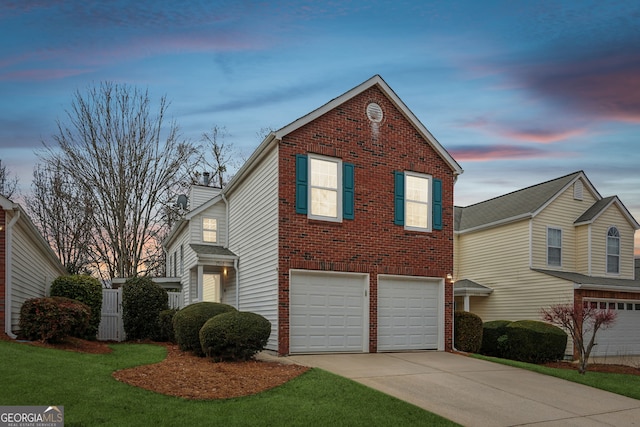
(519, 92)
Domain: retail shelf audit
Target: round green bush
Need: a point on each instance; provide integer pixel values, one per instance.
(236, 335)
(52, 319)
(468, 331)
(165, 326)
(85, 289)
(491, 333)
(142, 302)
(188, 321)
(534, 342)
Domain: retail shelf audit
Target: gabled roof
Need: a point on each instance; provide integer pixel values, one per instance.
(582, 281)
(601, 206)
(302, 121)
(214, 250)
(520, 204)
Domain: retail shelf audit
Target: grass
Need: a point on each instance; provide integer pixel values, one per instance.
(83, 384)
(623, 384)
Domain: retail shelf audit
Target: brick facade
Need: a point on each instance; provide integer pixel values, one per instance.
(371, 243)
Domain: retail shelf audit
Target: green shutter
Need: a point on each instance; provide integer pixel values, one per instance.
(398, 217)
(301, 184)
(348, 186)
(437, 204)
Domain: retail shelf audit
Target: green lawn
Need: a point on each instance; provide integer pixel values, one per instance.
(626, 385)
(82, 383)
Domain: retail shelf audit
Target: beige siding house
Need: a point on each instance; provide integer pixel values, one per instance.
(27, 264)
(555, 242)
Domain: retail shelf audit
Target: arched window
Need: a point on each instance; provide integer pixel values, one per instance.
(613, 250)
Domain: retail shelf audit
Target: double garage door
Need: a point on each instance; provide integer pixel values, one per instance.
(623, 337)
(329, 312)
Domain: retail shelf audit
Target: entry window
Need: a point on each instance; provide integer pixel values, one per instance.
(554, 247)
(613, 251)
(325, 180)
(209, 230)
(416, 201)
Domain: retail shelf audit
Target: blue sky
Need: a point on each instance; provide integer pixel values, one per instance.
(519, 92)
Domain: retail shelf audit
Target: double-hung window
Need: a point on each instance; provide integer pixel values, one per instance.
(209, 230)
(324, 187)
(554, 247)
(418, 201)
(613, 250)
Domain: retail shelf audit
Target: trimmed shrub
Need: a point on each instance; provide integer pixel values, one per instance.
(491, 333)
(52, 319)
(233, 336)
(142, 302)
(468, 331)
(85, 289)
(165, 326)
(534, 342)
(188, 321)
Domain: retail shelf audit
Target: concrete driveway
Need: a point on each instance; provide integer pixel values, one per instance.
(474, 392)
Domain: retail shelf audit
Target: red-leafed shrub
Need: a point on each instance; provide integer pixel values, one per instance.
(52, 319)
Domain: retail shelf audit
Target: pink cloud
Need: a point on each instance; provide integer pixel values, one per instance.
(541, 136)
(483, 153)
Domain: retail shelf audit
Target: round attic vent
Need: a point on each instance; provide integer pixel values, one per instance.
(374, 112)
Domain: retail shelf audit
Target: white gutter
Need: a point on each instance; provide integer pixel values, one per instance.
(236, 267)
(593, 287)
(8, 253)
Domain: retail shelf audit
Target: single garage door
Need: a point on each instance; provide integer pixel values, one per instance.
(329, 312)
(410, 314)
(623, 338)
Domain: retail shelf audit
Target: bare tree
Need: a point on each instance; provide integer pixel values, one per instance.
(582, 323)
(8, 184)
(127, 162)
(220, 156)
(63, 213)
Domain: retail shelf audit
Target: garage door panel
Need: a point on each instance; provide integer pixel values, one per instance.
(408, 313)
(327, 312)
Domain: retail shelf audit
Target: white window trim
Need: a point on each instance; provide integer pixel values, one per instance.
(310, 187)
(547, 245)
(208, 229)
(606, 264)
(429, 203)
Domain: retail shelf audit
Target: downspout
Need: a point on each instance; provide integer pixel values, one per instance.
(235, 266)
(226, 203)
(7, 281)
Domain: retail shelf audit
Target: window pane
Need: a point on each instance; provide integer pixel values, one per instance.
(554, 237)
(324, 174)
(416, 215)
(613, 246)
(613, 266)
(209, 236)
(324, 202)
(209, 223)
(417, 189)
(554, 256)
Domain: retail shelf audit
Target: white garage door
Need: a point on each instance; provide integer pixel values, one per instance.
(329, 312)
(409, 313)
(623, 338)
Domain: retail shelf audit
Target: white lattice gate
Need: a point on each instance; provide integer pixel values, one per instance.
(111, 327)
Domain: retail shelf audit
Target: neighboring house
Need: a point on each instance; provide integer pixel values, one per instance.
(338, 229)
(556, 242)
(27, 264)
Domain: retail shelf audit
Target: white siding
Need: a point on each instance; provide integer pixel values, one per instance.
(217, 211)
(31, 270)
(188, 262)
(253, 236)
(200, 194)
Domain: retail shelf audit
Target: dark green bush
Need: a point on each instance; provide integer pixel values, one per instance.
(142, 302)
(188, 321)
(491, 333)
(52, 319)
(534, 342)
(85, 289)
(236, 335)
(468, 331)
(165, 326)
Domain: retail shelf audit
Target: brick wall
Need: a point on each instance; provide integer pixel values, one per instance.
(370, 243)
